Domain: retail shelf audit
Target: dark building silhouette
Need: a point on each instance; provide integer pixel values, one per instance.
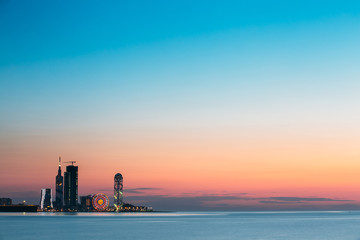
(5, 201)
(86, 203)
(59, 188)
(71, 187)
(19, 208)
(46, 198)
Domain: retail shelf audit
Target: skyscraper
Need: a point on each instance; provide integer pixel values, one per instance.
(59, 188)
(118, 191)
(46, 198)
(71, 187)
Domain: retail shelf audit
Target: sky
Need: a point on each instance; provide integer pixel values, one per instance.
(200, 105)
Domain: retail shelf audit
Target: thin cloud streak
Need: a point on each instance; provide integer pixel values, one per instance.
(232, 202)
(309, 199)
(141, 190)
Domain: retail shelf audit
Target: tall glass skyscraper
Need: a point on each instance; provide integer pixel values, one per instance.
(46, 198)
(59, 188)
(71, 187)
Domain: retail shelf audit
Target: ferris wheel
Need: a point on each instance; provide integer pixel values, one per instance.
(100, 202)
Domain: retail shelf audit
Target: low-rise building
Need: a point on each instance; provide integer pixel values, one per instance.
(5, 201)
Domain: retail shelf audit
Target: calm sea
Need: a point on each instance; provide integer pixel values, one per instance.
(182, 225)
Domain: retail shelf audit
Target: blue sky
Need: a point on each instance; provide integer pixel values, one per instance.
(66, 58)
(41, 30)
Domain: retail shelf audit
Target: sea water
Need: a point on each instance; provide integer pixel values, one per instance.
(182, 225)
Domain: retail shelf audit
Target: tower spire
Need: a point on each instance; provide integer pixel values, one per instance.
(59, 170)
(59, 188)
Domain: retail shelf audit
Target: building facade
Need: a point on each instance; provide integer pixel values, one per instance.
(71, 187)
(86, 203)
(46, 199)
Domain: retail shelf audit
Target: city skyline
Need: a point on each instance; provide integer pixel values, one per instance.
(239, 105)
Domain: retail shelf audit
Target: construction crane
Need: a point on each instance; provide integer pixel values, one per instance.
(72, 162)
